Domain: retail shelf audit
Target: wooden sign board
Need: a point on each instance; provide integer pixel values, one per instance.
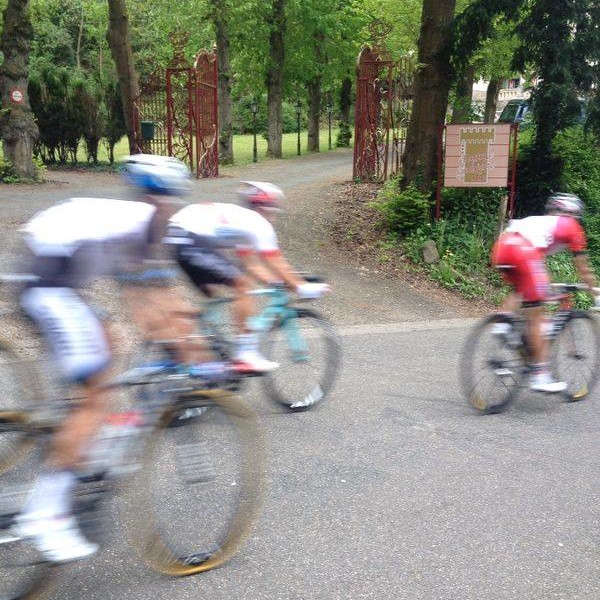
(477, 155)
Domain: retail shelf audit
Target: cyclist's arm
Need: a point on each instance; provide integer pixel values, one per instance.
(255, 268)
(279, 266)
(584, 269)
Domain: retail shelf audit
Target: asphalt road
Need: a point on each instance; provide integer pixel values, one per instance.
(393, 488)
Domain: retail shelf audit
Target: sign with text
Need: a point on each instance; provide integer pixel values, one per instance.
(477, 155)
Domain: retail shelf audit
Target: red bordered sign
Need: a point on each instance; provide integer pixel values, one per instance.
(16, 96)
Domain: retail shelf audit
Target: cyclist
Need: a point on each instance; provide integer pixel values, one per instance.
(69, 244)
(520, 252)
(202, 233)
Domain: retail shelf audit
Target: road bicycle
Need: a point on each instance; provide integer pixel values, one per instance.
(494, 365)
(300, 339)
(187, 464)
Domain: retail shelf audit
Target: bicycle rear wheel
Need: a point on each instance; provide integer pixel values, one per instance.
(490, 366)
(24, 574)
(309, 355)
(199, 490)
(576, 355)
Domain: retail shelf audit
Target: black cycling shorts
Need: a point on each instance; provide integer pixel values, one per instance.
(205, 265)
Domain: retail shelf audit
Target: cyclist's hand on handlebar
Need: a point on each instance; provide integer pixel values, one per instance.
(312, 290)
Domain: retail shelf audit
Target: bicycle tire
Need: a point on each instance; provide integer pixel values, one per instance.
(287, 385)
(227, 511)
(18, 377)
(24, 573)
(490, 369)
(576, 355)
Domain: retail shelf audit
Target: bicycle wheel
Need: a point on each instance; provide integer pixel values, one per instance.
(490, 367)
(18, 379)
(309, 354)
(199, 490)
(24, 574)
(576, 355)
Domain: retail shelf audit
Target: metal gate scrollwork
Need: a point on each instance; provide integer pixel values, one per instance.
(384, 91)
(176, 111)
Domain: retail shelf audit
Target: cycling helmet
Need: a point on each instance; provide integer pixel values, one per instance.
(161, 175)
(565, 204)
(260, 194)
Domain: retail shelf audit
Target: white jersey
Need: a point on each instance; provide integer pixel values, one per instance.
(550, 233)
(62, 229)
(228, 226)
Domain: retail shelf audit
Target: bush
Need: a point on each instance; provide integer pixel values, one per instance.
(402, 210)
(7, 172)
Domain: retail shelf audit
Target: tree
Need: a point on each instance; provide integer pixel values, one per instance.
(274, 76)
(120, 47)
(431, 85)
(219, 12)
(17, 124)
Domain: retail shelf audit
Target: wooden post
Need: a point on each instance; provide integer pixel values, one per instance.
(502, 214)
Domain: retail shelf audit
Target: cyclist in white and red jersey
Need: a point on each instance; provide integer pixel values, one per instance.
(70, 244)
(520, 252)
(203, 233)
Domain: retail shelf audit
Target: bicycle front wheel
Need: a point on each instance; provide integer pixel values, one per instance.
(491, 366)
(309, 355)
(576, 355)
(199, 490)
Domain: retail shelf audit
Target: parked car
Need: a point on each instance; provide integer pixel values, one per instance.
(514, 111)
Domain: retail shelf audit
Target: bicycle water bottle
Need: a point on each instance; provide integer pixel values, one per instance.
(109, 453)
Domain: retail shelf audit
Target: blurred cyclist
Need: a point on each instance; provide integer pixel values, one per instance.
(201, 233)
(520, 252)
(70, 244)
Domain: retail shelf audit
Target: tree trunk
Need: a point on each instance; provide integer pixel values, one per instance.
(220, 23)
(120, 48)
(491, 100)
(314, 114)
(345, 132)
(274, 78)
(432, 84)
(17, 124)
(461, 113)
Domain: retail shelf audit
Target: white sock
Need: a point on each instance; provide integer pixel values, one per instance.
(50, 496)
(246, 341)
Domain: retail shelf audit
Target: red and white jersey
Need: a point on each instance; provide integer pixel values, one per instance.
(228, 226)
(551, 233)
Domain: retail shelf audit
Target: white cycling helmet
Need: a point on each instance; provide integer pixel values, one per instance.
(565, 204)
(260, 194)
(154, 174)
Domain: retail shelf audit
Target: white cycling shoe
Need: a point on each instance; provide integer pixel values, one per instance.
(58, 539)
(544, 382)
(252, 361)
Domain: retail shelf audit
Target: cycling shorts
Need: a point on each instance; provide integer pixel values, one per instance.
(71, 329)
(205, 265)
(527, 272)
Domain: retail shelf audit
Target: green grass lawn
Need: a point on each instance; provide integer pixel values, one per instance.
(242, 147)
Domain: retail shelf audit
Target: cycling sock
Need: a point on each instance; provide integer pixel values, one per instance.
(50, 495)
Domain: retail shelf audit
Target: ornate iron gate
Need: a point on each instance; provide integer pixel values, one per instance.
(381, 113)
(176, 111)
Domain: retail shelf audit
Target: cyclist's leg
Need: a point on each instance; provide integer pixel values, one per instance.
(78, 344)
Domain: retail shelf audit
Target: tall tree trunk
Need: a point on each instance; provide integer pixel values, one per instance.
(461, 112)
(274, 78)
(220, 22)
(491, 100)
(17, 124)
(345, 131)
(314, 114)
(432, 84)
(120, 48)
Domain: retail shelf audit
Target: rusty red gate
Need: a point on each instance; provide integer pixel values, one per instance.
(382, 109)
(176, 112)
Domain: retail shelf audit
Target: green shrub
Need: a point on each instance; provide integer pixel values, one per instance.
(402, 210)
(7, 172)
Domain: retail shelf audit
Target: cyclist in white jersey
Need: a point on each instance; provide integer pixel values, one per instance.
(202, 235)
(70, 244)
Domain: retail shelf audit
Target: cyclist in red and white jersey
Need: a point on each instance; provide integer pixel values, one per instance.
(521, 250)
(202, 235)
